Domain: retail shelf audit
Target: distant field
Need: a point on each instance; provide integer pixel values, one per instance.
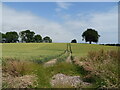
(31, 50)
(82, 49)
(42, 50)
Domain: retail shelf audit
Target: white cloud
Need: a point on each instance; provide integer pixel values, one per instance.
(63, 5)
(106, 23)
(58, 9)
(0, 16)
(17, 21)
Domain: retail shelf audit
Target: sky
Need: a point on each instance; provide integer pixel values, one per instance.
(62, 21)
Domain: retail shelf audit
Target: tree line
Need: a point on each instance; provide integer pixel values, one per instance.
(111, 44)
(26, 36)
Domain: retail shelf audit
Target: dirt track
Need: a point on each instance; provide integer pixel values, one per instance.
(54, 61)
(50, 63)
(68, 60)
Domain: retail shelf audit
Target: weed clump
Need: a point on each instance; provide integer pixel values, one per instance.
(16, 67)
(18, 74)
(103, 67)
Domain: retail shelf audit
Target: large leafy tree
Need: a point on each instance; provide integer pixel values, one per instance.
(47, 39)
(90, 35)
(11, 37)
(27, 36)
(37, 38)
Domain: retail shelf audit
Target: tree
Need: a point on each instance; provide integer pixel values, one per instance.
(27, 36)
(37, 38)
(0, 37)
(90, 35)
(3, 37)
(47, 39)
(11, 37)
(50, 41)
(74, 41)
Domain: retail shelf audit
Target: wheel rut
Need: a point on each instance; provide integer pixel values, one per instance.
(68, 59)
(50, 63)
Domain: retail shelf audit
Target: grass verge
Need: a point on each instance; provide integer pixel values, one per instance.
(103, 68)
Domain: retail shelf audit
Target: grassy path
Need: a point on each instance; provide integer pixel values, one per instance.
(68, 51)
(68, 60)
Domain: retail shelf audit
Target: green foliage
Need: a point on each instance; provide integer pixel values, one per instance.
(5, 85)
(11, 37)
(37, 38)
(90, 35)
(27, 36)
(74, 41)
(3, 35)
(47, 39)
(104, 68)
(0, 37)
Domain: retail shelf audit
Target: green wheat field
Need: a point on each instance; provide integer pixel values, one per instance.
(20, 59)
(40, 50)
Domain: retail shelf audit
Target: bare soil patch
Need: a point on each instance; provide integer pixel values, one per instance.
(50, 63)
(20, 82)
(68, 60)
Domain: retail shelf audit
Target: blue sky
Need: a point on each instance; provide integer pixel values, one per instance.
(47, 9)
(58, 19)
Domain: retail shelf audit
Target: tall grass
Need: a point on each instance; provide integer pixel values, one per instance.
(16, 67)
(18, 74)
(103, 67)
